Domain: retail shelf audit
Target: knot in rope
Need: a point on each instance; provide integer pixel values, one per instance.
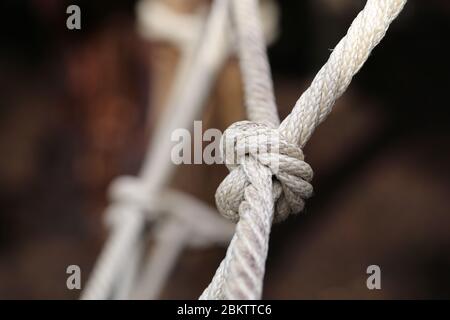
(244, 142)
(128, 194)
(129, 189)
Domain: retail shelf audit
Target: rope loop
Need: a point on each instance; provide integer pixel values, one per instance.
(254, 141)
(130, 197)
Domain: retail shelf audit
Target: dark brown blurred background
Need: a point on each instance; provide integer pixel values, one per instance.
(73, 115)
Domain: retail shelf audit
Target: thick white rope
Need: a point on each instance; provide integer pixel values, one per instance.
(257, 79)
(248, 194)
(125, 284)
(158, 22)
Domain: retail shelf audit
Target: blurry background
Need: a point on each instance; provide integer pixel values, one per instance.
(74, 114)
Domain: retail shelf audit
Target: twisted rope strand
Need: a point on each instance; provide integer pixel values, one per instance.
(255, 68)
(240, 274)
(349, 55)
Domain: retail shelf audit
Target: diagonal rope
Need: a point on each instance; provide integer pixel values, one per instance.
(250, 194)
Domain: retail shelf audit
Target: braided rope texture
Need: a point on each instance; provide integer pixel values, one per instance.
(254, 193)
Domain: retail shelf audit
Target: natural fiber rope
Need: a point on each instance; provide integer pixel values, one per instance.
(249, 194)
(255, 68)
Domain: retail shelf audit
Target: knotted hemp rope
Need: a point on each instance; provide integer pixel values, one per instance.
(254, 192)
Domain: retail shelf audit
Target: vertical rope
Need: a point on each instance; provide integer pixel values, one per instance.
(248, 192)
(255, 68)
(349, 55)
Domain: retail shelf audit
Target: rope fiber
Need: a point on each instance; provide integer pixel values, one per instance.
(268, 179)
(254, 193)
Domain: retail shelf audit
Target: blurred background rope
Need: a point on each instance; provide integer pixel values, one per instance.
(204, 47)
(128, 211)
